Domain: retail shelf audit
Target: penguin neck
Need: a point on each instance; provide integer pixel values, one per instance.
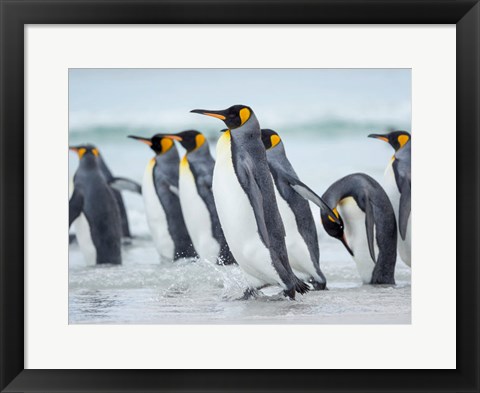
(170, 156)
(104, 168)
(89, 162)
(249, 130)
(200, 154)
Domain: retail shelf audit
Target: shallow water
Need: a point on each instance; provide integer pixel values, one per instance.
(143, 291)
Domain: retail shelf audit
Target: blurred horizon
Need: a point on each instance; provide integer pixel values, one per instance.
(107, 102)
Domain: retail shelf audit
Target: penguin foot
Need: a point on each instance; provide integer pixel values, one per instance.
(318, 286)
(290, 293)
(300, 286)
(249, 293)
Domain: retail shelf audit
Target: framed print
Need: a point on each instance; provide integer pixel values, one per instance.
(220, 196)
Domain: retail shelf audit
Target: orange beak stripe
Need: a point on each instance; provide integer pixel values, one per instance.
(221, 117)
(174, 137)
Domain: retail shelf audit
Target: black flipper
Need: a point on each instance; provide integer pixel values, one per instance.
(123, 184)
(255, 196)
(369, 223)
(75, 207)
(310, 195)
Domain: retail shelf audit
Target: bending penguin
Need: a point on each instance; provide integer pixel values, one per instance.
(398, 187)
(162, 205)
(95, 210)
(364, 221)
(245, 198)
(301, 239)
(196, 198)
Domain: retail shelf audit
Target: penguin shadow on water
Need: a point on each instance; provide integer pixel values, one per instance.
(97, 209)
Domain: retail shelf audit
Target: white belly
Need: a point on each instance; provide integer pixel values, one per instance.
(84, 238)
(298, 253)
(156, 218)
(238, 220)
(196, 215)
(403, 246)
(356, 236)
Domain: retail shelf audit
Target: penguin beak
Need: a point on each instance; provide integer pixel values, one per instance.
(73, 148)
(174, 137)
(144, 140)
(218, 114)
(379, 136)
(344, 241)
(224, 130)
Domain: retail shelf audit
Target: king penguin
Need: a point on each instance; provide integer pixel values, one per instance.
(95, 210)
(196, 198)
(301, 239)
(397, 181)
(363, 220)
(247, 208)
(162, 205)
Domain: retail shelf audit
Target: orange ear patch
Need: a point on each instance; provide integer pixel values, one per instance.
(275, 140)
(244, 115)
(199, 140)
(166, 144)
(402, 139)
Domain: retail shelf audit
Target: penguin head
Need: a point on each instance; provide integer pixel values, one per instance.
(191, 140)
(270, 138)
(86, 151)
(159, 143)
(396, 139)
(233, 117)
(333, 224)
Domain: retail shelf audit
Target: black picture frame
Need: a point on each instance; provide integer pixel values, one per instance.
(15, 14)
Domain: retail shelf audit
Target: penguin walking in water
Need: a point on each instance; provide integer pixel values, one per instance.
(162, 205)
(301, 239)
(95, 210)
(364, 221)
(247, 208)
(398, 187)
(196, 198)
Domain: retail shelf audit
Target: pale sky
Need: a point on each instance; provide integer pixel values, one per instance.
(109, 97)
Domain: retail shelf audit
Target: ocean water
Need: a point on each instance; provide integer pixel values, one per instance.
(144, 291)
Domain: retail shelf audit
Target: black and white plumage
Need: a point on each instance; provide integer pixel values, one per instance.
(197, 201)
(245, 198)
(362, 218)
(162, 204)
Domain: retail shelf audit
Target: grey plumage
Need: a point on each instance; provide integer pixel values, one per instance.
(374, 202)
(284, 177)
(118, 197)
